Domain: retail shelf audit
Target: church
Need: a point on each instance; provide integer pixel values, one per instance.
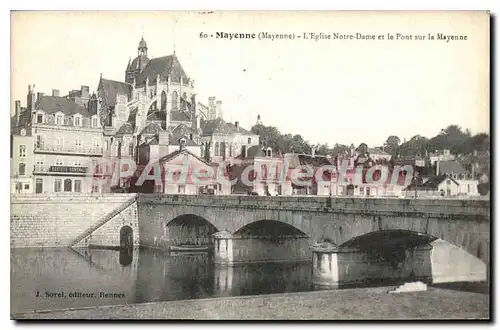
(146, 116)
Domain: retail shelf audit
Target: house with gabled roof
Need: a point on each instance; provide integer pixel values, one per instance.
(438, 186)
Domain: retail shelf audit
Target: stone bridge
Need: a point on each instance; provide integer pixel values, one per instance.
(342, 221)
(347, 239)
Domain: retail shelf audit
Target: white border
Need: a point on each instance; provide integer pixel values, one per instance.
(491, 5)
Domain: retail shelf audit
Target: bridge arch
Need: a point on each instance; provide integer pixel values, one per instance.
(190, 229)
(271, 228)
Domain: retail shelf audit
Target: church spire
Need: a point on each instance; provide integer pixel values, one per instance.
(142, 49)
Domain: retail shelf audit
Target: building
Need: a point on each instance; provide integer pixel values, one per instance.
(183, 172)
(437, 186)
(440, 155)
(223, 141)
(257, 171)
(66, 141)
(452, 169)
(379, 155)
(22, 162)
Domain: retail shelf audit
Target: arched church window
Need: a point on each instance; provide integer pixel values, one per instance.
(163, 101)
(216, 152)
(222, 148)
(174, 99)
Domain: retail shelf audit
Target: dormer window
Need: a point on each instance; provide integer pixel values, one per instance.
(39, 118)
(59, 120)
(77, 121)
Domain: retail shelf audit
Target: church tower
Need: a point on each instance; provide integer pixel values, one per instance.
(136, 66)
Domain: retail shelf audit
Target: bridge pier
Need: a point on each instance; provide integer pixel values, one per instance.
(223, 250)
(231, 249)
(335, 266)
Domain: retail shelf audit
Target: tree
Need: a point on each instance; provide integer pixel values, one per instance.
(392, 141)
(323, 149)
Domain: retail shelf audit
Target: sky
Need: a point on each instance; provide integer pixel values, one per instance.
(329, 91)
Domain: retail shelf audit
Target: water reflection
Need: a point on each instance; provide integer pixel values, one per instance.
(136, 276)
(126, 256)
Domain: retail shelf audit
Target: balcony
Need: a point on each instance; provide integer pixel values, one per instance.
(74, 150)
(58, 169)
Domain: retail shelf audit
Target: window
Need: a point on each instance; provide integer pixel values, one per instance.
(39, 118)
(163, 100)
(367, 191)
(468, 188)
(216, 152)
(57, 185)
(131, 149)
(230, 150)
(39, 142)
(39, 162)
(67, 185)
(59, 162)
(22, 151)
(78, 163)
(78, 142)
(78, 121)
(106, 145)
(22, 169)
(181, 189)
(39, 186)
(26, 187)
(95, 189)
(249, 140)
(59, 143)
(78, 186)
(361, 191)
(94, 122)
(19, 187)
(158, 188)
(59, 119)
(263, 168)
(174, 100)
(96, 143)
(448, 181)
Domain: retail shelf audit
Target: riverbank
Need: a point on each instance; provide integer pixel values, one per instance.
(346, 304)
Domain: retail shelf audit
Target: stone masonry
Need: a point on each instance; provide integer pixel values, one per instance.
(55, 221)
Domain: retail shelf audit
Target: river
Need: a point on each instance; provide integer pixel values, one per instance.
(48, 279)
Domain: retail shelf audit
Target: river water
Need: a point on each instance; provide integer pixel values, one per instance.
(47, 279)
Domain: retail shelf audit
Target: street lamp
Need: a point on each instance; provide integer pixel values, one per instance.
(415, 179)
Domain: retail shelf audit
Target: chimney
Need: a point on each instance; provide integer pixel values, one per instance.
(18, 111)
(39, 95)
(18, 107)
(218, 106)
(84, 91)
(237, 124)
(55, 92)
(182, 143)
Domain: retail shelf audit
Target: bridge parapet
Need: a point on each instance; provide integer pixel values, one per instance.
(443, 208)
